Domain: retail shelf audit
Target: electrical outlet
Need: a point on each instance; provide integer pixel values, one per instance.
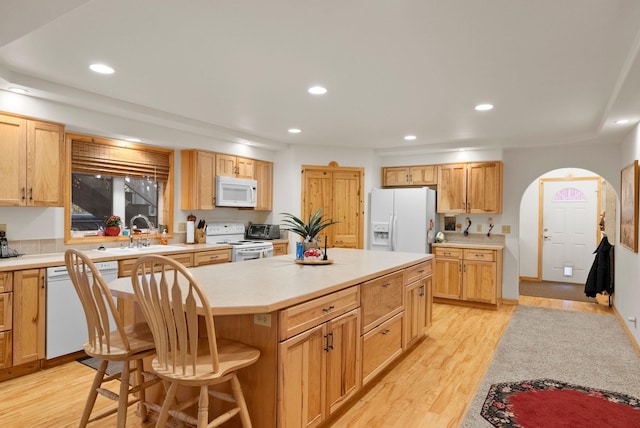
(182, 227)
(479, 228)
(3, 228)
(490, 220)
(506, 229)
(262, 319)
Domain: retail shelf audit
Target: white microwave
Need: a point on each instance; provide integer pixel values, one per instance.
(236, 192)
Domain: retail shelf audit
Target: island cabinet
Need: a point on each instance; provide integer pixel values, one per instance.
(472, 275)
(418, 298)
(33, 162)
(319, 355)
(474, 188)
(382, 304)
(416, 175)
(6, 306)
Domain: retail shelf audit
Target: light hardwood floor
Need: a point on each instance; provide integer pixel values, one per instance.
(430, 387)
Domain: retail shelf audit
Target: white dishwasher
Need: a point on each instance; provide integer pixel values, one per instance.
(66, 323)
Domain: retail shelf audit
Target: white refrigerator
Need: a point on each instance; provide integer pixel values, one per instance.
(403, 219)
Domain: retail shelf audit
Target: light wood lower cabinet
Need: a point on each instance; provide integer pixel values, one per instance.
(125, 266)
(6, 319)
(381, 346)
(211, 257)
(318, 370)
(468, 274)
(417, 306)
(28, 315)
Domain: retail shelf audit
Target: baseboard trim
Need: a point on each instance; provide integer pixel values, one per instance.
(630, 335)
(513, 302)
(530, 278)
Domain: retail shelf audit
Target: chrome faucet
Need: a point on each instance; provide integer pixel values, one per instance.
(149, 227)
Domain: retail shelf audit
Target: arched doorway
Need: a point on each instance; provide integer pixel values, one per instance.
(556, 251)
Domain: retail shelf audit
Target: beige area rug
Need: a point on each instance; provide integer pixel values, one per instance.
(555, 290)
(580, 348)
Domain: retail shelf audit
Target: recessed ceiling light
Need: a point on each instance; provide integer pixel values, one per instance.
(409, 137)
(484, 107)
(295, 130)
(622, 121)
(317, 90)
(101, 68)
(133, 140)
(18, 90)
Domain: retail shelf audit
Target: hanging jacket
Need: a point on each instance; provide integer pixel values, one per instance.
(600, 274)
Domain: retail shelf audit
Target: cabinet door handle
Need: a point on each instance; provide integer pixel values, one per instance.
(329, 309)
(31, 193)
(24, 193)
(328, 342)
(385, 332)
(421, 291)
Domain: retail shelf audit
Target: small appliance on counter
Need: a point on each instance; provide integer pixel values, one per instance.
(263, 231)
(4, 245)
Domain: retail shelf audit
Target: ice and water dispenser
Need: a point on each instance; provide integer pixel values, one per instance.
(381, 233)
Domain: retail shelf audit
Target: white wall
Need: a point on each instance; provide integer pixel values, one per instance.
(627, 291)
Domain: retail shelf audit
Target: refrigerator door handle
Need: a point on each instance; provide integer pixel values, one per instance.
(391, 232)
(394, 235)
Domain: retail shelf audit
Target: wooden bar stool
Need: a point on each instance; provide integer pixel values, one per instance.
(171, 300)
(126, 345)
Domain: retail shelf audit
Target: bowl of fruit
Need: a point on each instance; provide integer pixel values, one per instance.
(313, 255)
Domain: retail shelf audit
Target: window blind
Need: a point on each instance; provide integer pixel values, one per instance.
(106, 157)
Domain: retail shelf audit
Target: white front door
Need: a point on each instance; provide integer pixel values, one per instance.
(569, 228)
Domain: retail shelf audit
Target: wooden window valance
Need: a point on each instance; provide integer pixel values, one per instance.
(92, 155)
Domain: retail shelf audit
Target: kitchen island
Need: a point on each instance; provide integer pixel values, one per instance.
(324, 331)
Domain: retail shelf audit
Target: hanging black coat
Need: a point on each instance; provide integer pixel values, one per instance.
(599, 278)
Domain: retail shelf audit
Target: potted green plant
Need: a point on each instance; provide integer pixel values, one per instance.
(309, 230)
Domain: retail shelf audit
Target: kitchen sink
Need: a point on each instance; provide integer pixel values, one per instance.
(142, 250)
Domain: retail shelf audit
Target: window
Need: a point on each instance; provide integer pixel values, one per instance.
(109, 177)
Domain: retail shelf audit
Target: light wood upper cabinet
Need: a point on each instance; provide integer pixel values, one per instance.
(470, 188)
(32, 162)
(234, 166)
(264, 176)
(418, 175)
(28, 315)
(198, 180)
(339, 192)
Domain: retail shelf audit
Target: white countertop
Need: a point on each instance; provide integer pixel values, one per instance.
(270, 284)
(471, 245)
(36, 261)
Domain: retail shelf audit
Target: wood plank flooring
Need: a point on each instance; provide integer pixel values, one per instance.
(430, 387)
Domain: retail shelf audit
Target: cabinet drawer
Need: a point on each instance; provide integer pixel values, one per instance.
(279, 249)
(6, 305)
(304, 316)
(380, 346)
(125, 266)
(483, 255)
(212, 257)
(448, 252)
(419, 271)
(6, 282)
(381, 298)
(6, 359)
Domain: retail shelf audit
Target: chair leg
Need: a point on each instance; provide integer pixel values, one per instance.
(237, 393)
(166, 405)
(203, 407)
(142, 404)
(123, 397)
(93, 393)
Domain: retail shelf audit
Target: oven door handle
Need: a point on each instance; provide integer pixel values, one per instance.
(259, 251)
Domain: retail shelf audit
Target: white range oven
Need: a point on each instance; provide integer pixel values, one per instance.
(241, 249)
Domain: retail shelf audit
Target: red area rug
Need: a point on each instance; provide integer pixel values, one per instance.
(550, 403)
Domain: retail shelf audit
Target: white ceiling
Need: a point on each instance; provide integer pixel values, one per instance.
(558, 72)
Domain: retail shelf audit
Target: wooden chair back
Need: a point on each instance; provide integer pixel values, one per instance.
(99, 308)
(171, 301)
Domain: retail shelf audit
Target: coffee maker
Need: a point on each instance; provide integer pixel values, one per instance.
(4, 245)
